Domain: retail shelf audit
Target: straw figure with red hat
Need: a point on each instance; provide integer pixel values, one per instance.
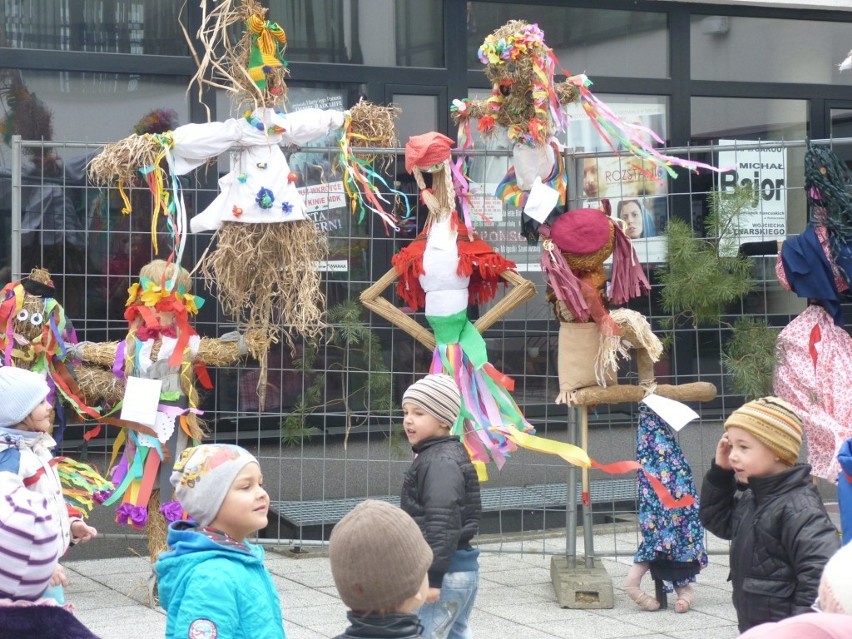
(444, 270)
(592, 341)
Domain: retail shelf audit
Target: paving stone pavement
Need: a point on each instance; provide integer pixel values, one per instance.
(515, 600)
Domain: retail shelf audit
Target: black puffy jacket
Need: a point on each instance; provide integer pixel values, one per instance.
(441, 492)
(781, 538)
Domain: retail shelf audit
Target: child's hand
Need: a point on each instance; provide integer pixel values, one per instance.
(59, 577)
(723, 453)
(433, 595)
(82, 532)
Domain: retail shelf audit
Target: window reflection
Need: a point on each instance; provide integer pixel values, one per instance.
(724, 48)
(406, 33)
(593, 41)
(106, 26)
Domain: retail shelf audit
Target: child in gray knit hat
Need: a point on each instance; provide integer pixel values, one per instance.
(379, 561)
(441, 493)
(26, 450)
(212, 582)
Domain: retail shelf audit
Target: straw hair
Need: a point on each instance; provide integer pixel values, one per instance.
(774, 423)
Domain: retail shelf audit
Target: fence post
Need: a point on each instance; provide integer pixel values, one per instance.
(571, 495)
(17, 198)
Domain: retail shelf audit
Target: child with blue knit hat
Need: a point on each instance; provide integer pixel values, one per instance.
(441, 493)
(212, 582)
(26, 449)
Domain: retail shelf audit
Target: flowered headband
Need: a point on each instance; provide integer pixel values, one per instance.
(148, 293)
(501, 50)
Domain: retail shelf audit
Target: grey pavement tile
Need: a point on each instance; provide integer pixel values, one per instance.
(720, 632)
(306, 597)
(287, 585)
(330, 627)
(723, 610)
(124, 622)
(484, 624)
(99, 567)
(307, 616)
(78, 583)
(313, 579)
(96, 600)
(297, 632)
(519, 577)
(531, 613)
(668, 620)
(594, 628)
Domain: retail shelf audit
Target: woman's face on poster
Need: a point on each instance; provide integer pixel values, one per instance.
(631, 214)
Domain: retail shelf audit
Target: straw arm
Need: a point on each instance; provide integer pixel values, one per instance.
(372, 300)
(100, 353)
(523, 290)
(621, 393)
(221, 351)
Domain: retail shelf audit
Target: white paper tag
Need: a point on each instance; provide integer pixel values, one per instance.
(141, 398)
(676, 414)
(540, 201)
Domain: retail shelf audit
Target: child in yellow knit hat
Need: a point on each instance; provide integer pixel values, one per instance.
(781, 536)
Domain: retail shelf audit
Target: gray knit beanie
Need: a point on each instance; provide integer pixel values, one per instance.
(22, 391)
(438, 395)
(378, 557)
(203, 476)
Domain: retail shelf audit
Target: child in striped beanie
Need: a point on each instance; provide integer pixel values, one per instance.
(781, 536)
(441, 493)
(29, 551)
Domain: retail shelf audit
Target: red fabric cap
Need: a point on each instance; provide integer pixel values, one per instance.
(427, 150)
(581, 231)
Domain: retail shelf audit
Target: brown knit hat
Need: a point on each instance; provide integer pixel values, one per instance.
(378, 557)
(774, 423)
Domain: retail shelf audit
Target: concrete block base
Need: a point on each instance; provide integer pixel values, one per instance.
(581, 587)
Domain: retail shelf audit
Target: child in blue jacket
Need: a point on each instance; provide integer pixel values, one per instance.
(212, 581)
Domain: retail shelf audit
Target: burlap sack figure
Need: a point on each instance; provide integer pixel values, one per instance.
(578, 349)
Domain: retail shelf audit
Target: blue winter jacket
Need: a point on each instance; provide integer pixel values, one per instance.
(212, 589)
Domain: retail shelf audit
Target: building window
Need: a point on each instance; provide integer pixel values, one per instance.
(389, 33)
(104, 26)
(593, 41)
(769, 50)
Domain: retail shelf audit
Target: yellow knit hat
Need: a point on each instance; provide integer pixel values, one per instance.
(774, 423)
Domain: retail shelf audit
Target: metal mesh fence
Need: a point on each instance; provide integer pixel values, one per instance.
(322, 442)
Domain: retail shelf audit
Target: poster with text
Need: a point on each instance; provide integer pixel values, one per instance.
(321, 189)
(764, 172)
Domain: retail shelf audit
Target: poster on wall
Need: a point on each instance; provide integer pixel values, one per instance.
(635, 188)
(764, 172)
(320, 188)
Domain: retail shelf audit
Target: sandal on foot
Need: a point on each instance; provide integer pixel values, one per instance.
(641, 598)
(684, 599)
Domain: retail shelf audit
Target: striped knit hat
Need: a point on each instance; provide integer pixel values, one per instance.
(774, 423)
(438, 395)
(28, 548)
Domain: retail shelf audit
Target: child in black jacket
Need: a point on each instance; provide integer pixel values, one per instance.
(441, 492)
(781, 536)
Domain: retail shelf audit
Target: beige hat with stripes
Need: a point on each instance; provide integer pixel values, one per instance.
(774, 423)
